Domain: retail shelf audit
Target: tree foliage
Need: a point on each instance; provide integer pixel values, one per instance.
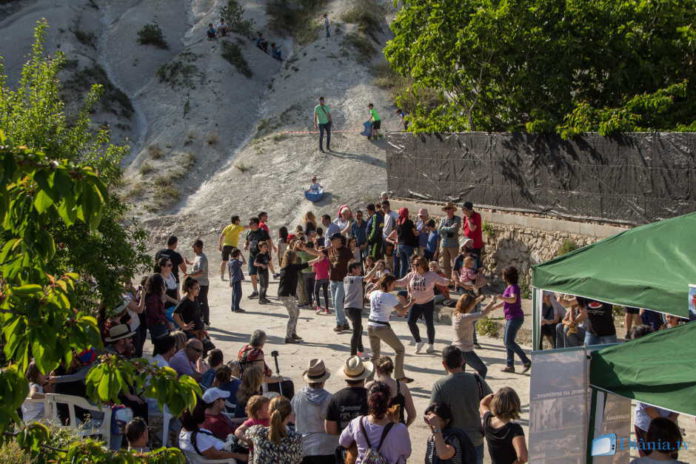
(564, 66)
(64, 249)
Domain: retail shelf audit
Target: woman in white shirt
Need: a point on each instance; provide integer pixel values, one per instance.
(32, 408)
(382, 304)
(196, 440)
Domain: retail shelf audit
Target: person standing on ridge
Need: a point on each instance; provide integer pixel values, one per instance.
(327, 25)
(376, 121)
(322, 120)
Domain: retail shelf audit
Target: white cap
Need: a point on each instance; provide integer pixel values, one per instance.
(213, 394)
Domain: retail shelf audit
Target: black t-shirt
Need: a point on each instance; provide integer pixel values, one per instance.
(254, 237)
(262, 258)
(500, 440)
(346, 405)
(174, 257)
(405, 233)
(601, 318)
(288, 279)
(190, 312)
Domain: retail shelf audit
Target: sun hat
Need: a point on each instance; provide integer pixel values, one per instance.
(357, 369)
(119, 332)
(316, 371)
(449, 205)
(213, 394)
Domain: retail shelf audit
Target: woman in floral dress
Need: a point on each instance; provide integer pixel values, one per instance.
(276, 444)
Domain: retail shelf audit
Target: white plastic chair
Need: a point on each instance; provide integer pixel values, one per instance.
(166, 420)
(88, 429)
(193, 458)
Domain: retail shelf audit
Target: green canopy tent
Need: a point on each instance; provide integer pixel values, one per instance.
(657, 369)
(649, 266)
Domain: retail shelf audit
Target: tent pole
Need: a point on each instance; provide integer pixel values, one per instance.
(591, 426)
(537, 301)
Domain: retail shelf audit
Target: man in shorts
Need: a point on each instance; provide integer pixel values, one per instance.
(229, 240)
(254, 236)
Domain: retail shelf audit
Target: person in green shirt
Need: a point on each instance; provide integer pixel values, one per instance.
(322, 119)
(376, 121)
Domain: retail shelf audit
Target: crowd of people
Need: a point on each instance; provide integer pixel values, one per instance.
(397, 266)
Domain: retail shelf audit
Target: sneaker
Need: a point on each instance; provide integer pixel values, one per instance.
(508, 369)
(346, 327)
(527, 366)
(405, 380)
(327, 311)
(338, 329)
(291, 340)
(419, 347)
(431, 349)
(265, 301)
(253, 295)
(239, 310)
(297, 337)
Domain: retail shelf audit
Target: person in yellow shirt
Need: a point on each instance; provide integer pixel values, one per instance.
(229, 240)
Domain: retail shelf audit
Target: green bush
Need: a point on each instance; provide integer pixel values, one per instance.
(180, 72)
(151, 34)
(233, 54)
(233, 14)
(361, 44)
(566, 247)
(297, 19)
(486, 326)
(368, 15)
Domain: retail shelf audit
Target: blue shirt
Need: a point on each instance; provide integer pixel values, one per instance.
(235, 268)
(331, 229)
(359, 232)
(432, 238)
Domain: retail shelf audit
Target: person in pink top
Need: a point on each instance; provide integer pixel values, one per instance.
(322, 270)
(420, 283)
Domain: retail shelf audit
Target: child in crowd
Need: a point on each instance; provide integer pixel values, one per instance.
(227, 378)
(319, 238)
(433, 244)
(389, 257)
(468, 276)
(505, 438)
(321, 267)
(257, 414)
(33, 410)
(263, 263)
(137, 435)
(353, 247)
(215, 360)
(236, 278)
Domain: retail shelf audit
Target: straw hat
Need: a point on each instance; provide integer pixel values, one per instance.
(448, 206)
(316, 371)
(119, 332)
(356, 369)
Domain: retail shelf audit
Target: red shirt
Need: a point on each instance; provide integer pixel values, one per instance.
(220, 425)
(475, 235)
(263, 226)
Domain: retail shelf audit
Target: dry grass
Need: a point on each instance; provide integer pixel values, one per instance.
(368, 15)
(242, 167)
(146, 168)
(155, 151)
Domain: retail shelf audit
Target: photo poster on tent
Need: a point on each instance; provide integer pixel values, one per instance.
(692, 300)
(559, 407)
(613, 419)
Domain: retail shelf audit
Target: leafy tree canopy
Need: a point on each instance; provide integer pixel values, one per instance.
(565, 66)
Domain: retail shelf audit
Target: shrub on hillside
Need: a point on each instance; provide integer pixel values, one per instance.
(297, 19)
(361, 44)
(233, 54)
(368, 15)
(151, 34)
(233, 14)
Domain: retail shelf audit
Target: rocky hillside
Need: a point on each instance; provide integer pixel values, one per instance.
(218, 127)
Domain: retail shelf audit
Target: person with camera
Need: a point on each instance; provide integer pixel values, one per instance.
(449, 234)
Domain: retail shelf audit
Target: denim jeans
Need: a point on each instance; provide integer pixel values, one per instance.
(512, 326)
(563, 340)
(591, 339)
(203, 303)
(338, 293)
(428, 311)
(404, 253)
(321, 284)
(473, 360)
(325, 128)
(236, 295)
(263, 283)
(479, 454)
(356, 344)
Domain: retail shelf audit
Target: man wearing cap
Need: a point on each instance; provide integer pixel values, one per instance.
(422, 228)
(449, 234)
(351, 402)
(185, 361)
(473, 230)
(311, 405)
(215, 421)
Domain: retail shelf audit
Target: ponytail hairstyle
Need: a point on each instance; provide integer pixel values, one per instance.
(280, 409)
(378, 399)
(385, 282)
(465, 304)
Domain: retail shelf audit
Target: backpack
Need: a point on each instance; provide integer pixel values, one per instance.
(372, 455)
